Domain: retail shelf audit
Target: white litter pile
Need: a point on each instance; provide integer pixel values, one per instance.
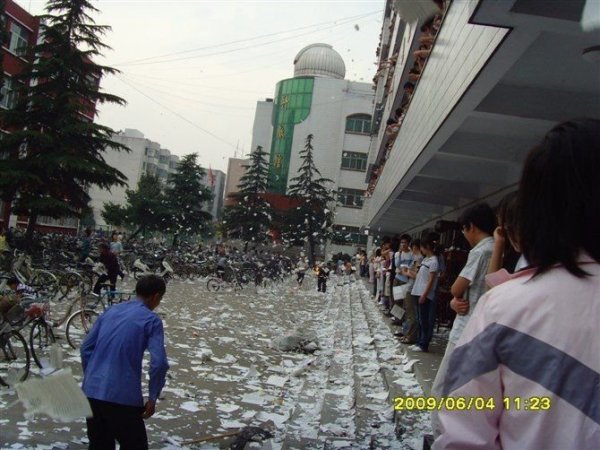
(226, 374)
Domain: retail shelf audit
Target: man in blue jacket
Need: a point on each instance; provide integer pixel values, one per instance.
(111, 356)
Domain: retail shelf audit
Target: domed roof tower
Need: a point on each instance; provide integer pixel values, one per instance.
(319, 60)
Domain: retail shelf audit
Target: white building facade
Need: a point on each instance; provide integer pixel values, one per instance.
(337, 112)
(146, 157)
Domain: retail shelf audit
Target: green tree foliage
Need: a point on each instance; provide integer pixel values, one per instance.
(55, 153)
(185, 197)
(251, 218)
(145, 208)
(311, 221)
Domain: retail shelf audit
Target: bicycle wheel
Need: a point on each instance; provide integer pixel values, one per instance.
(69, 281)
(79, 325)
(41, 338)
(45, 283)
(213, 285)
(15, 359)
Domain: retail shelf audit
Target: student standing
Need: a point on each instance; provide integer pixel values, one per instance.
(111, 356)
(423, 293)
(478, 224)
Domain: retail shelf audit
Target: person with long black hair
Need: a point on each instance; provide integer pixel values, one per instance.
(531, 349)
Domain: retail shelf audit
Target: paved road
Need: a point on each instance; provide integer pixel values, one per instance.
(335, 398)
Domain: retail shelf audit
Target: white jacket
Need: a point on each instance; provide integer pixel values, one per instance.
(529, 338)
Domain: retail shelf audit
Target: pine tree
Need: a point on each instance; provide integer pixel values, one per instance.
(55, 154)
(145, 208)
(185, 197)
(311, 220)
(251, 219)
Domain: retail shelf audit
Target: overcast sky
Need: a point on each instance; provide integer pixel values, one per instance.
(216, 88)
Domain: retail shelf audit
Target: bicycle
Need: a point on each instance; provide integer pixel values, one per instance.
(15, 359)
(41, 280)
(81, 321)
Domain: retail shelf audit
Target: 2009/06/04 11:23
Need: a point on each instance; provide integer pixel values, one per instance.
(472, 403)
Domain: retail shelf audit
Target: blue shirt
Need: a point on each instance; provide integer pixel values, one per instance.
(112, 354)
(403, 258)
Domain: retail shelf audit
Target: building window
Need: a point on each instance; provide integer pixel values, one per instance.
(146, 151)
(358, 123)
(354, 161)
(19, 39)
(8, 94)
(350, 198)
(163, 159)
(346, 235)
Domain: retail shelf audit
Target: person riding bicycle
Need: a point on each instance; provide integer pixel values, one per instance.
(222, 263)
(111, 264)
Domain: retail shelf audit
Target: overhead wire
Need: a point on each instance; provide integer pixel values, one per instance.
(140, 60)
(175, 113)
(340, 23)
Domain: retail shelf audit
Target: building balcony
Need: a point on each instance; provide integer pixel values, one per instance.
(498, 76)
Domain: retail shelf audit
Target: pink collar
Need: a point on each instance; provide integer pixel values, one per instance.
(502, 276)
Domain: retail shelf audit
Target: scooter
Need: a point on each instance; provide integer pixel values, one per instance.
(141, 269)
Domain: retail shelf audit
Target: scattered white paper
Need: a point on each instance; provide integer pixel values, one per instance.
(232, 424)
(228, 408)
(190, 406)
(275, 380)
(58, 396)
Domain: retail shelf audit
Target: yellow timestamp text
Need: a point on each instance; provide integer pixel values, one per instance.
(471, 403)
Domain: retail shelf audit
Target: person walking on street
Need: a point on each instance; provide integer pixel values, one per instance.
(322, 275)
(116, 248)
(111, 356)
(302, 267)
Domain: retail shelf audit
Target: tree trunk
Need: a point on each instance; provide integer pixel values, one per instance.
(175, 236)
(29, 232)
(311, 251)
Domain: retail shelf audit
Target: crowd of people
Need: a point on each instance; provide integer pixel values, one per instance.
(426, 37)
(525, 326)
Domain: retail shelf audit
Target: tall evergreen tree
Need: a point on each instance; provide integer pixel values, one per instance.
(311, 220)
(145, 208)
(185, 197)
(251, 219)
(55, 152)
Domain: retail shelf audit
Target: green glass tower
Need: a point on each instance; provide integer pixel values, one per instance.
(292, 105)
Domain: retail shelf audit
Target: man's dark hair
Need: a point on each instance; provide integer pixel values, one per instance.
(149, 285)
(558, 204)
(405, 237)
(104, 246)
(415, 243)
(12, 280)
(408, 84)
(480, 215)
